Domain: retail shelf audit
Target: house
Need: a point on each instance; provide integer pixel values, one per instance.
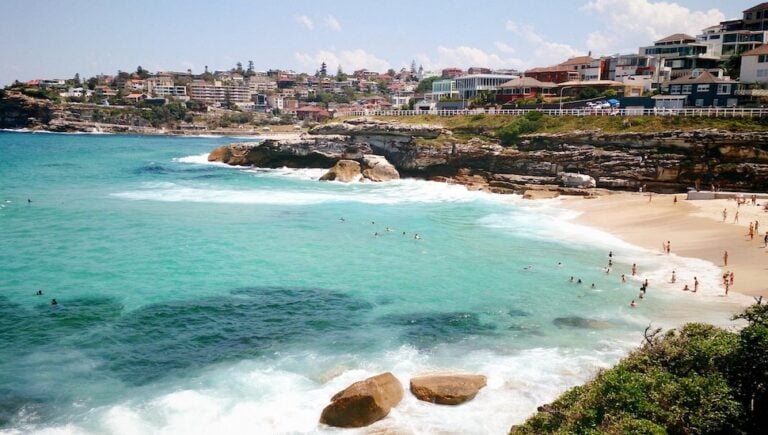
(733, 37)
(451, 73)
(524, 87)
(312, 113)
(702, 89)
(135, 97)
(554, 74)
(754, 65)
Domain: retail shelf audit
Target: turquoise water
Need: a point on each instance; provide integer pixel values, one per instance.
(199, 298)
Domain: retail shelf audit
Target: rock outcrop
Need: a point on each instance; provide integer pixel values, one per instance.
(377, 168)
(344, 170)
(447, 389)
(364, 402)
(670, 161)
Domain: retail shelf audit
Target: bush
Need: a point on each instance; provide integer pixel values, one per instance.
(700, 379)
(529, 123)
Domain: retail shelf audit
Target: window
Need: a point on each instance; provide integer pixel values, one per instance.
(763, 58)
(699, 102)
(702, 88)
(714, 36)
(687, 89)
(723, 89)
(674, 89)
(526, 91)
(762, 73)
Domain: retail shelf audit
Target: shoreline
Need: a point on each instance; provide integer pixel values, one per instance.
(693, 228)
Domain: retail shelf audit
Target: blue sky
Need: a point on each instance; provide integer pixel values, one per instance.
(58, 38)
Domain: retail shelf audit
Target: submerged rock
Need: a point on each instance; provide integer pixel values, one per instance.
(447, 389)
(580, 322)
(344, 170)
(364, 402)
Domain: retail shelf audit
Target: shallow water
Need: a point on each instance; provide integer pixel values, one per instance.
(199, 298)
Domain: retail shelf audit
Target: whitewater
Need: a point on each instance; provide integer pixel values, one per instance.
(198, 298)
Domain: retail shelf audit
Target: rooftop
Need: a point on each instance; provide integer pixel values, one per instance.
(676, 37)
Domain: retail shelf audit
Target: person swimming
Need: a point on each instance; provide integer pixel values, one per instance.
(528, 268)
(571, 279)
(341, 219)
(417, 236)
(579, 281)
(39, 293)
(54, 302)
(633, 304)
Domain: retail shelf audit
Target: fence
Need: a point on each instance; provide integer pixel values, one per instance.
(710, 112)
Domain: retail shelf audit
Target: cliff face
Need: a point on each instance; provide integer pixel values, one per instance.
(24, 112)
(665, 162)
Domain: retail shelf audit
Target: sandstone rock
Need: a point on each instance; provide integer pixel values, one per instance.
(220, 154)
(364, 402)
(576, 180)
(447, 389)
(344, 170)
(377, 168)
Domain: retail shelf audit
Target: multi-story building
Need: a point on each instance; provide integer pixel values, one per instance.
(470, 86)
(681, 53)
(524, 88)
(169, 91)
(444, 89)
(554, 74)
(451, 73)
(219, 93)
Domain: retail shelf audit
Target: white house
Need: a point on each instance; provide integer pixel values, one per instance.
(754, 65)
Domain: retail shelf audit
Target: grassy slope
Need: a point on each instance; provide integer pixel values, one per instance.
(465, 127)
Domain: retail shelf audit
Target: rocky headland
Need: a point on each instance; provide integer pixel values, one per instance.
(540, 164)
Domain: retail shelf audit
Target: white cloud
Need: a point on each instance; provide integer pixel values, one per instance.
(465, 57)
(305, 21)
(504, 48)
(349, 60)
(630, 24)
(540, 51)
(332, 23)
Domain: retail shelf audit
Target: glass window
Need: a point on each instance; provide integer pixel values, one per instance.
(699, 102)
(674, 89)
(687, 89)
(702, 88)
(763, 58)
(723, 89)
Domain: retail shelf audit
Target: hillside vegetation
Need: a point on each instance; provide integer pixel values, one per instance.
(698, 380)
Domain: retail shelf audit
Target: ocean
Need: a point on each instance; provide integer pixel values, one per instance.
(198, 298)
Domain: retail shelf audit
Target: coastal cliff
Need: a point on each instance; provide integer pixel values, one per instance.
(668, 161)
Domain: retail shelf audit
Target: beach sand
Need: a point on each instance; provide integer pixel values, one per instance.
(694, 228)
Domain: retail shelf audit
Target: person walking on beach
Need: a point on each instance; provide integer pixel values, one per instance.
(725, 215)
(725, 258)
(634, 269)
(674, 278)
(757, 225)
(674, 200)
(765, 240)
(669, 247)
(695, 284)
(736, 218)
(623, 278)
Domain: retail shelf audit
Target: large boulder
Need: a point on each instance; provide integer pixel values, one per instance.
(220, 154)
(447, 389)
(344, 170)
(377, 168)
(363, 403)
(568, 179)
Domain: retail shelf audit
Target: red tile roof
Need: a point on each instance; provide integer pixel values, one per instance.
(760, 49)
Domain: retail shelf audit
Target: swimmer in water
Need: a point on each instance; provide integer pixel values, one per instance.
(579, 281)
(417, 236)
(528, 268)
(593, 285)
(633, 304)
(342, 219)
(53, 302)
(39, 293)
(571, 279)
(389, 230)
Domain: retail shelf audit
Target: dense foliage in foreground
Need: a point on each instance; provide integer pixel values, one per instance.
(698, 380)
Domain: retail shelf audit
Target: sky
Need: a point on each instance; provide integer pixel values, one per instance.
(58, 38)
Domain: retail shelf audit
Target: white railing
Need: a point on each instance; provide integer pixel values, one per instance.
(710, 112)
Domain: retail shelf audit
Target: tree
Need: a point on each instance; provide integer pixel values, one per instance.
(239, 68)
(76, 80)
(732, 66)
(251, 70)
(141, 72)
(391, 72)
(413, 67)
(323, 70)
(426, 84)
(92, 82)
(340, 76)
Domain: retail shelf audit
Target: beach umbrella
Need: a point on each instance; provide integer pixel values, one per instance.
(613, 102)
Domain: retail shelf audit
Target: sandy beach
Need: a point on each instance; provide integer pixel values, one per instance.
(693, 228)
